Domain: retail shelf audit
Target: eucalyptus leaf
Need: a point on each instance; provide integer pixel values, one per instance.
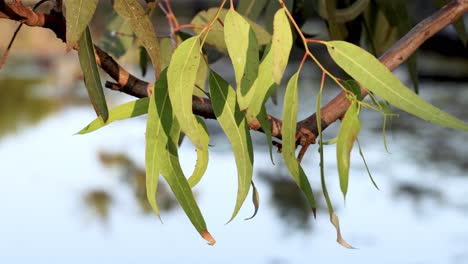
(163, 133)
(373, 75)
(234, 125)
(91, 75)
(251, 9)
(289, 141)
(281, 44)
(124, 111)
(349, 129)
(78, 14)
(143, 28)
(243, 50)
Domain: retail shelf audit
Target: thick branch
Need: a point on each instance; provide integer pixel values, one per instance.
(307, 128)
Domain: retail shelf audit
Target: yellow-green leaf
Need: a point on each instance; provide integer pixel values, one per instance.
(166, 51)
(243, 50)
(91, 75)
(349, 130)
(143, 28)
(78, 14)
(333, 217)
(216, 34)
(373, 75)
(124, 111)
(202, 158)
(182, 74)
(255, 201)
(164, 133)
(289, 140)
(251, 9)
(281, 44)
(234, 124)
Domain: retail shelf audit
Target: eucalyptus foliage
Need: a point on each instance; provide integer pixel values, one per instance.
(259, 58)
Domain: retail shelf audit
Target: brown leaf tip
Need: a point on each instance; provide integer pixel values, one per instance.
(208, 237)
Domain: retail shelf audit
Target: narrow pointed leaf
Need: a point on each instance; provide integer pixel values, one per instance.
(281, 44)
(243, 50)
(255, 201)
(182, 74)
(271, 10)
(234, 125)
(202, 159)
(143, 60)
(78, 14)
(289, 140)
(166, 131)
(91, 75)
(331, 212)
(361, 153)
(124, 111)
(143, 28)
(350, 127)
(373, 75)
(117, 38)
(166, 51)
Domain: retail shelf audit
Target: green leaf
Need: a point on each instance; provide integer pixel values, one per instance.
(271, 10)
(124, 111)
(361, 153)
(202, 159)
(235, 126)
(262, 88)
(343, 15)
(373, 75)
(459, 24)
(350, 127)
(281, 44)
(91, 75)
(255, 201)
(163, 132)
(289, 140)
(78, 14)
(243, 50)
(143, 28)
(202, 76)
(216, 35)
(331, 212)
(182, 74)
(251, 9)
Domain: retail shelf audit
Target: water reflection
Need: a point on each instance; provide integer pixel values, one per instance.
(135, 177)
(289, 202)
(21, 104)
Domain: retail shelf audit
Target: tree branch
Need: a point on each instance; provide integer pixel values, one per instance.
(307, 129)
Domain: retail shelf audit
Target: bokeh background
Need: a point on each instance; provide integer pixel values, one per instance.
(68, 198)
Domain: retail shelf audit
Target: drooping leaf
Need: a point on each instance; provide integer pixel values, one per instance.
(125, 111)
(216, 34)
(336, 29)
(243, 50)
(251, 9)
(343, 15)
(78, 14)
(361, 153)
(182, 74)
(165, 131)
(262, 88)
(350, 127)
(202, 76)
(281, 44)
(289, 140)
(91, 75)
(373, 75)
(331, 212)
(202, 159)
(234, 125)
(255, 201)
(143, 28)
